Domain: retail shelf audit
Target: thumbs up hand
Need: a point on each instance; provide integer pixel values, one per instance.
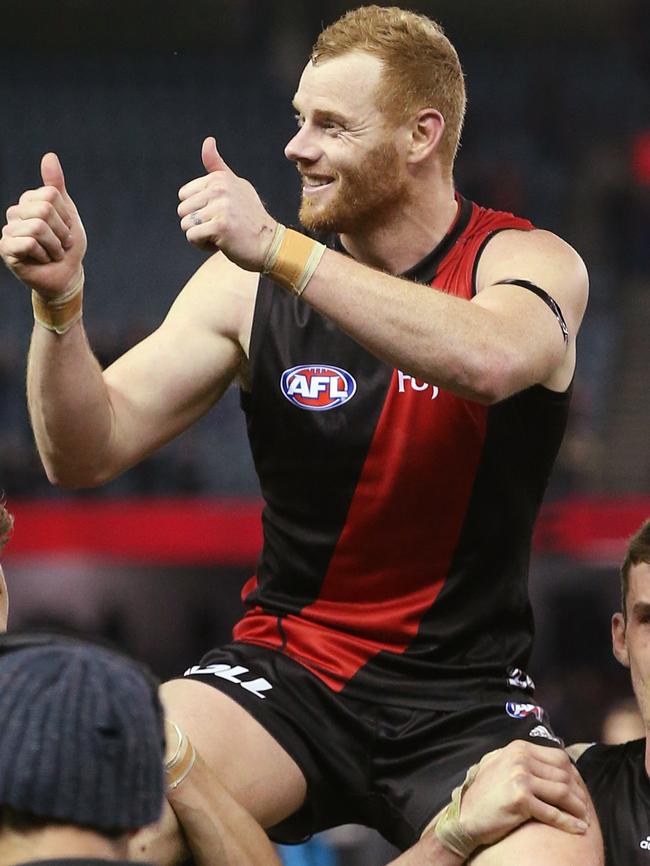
(223, 211)
(43, 242)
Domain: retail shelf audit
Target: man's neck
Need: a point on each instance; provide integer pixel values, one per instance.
(411, 233)
(58, 842)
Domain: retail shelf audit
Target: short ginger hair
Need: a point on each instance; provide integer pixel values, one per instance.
(638, 550)
(421, 68)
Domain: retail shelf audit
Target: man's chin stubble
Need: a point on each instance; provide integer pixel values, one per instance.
(333, 220)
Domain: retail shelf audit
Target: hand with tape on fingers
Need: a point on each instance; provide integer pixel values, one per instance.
(223, 211)
(43, 242)
(509, 786)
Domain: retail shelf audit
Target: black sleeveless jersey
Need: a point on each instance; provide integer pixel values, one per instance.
(620, 788)
(398, 516)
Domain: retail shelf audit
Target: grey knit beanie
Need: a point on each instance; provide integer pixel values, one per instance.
(81, 734)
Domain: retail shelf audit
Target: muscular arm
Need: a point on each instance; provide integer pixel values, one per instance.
(92, 425)
(504, 340)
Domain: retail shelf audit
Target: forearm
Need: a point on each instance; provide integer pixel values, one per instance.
(428, 852)
(69, 406)
(219, 832)
(436, 337)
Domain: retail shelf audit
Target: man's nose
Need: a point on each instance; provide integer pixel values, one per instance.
(302, 147)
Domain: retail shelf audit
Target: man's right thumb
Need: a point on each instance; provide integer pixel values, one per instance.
(52, 172)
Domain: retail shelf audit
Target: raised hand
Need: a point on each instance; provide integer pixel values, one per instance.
(43, 242)
(520, 782)
(223, 211)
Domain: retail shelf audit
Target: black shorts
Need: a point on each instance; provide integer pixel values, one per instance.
(387, 767)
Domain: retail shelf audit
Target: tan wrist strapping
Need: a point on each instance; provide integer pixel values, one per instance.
(60, 314)
(292, 259)
(447, 824)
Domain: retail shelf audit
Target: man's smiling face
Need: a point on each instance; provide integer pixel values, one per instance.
(346, 152)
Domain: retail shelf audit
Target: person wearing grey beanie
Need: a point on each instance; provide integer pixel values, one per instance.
(81, 751)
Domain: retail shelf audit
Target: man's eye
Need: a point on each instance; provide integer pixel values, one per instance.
(300, 120)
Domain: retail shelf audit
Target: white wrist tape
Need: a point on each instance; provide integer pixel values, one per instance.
(447, 824)
(181, 762)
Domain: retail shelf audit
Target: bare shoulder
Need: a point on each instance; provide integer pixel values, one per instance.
(577, 750)
(542, 258)
(219, 297)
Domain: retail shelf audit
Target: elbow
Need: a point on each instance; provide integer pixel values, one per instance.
(490, 391)
(494, 377)
(71, 481)
(75, 477)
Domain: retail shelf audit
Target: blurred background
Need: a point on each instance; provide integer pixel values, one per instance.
(558, 130)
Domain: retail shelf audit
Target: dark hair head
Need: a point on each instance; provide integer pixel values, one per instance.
(638, 550)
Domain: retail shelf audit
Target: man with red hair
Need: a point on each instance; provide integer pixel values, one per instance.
(406, 378)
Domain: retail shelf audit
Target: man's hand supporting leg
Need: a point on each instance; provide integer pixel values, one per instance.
(522, 801)
(241, 780)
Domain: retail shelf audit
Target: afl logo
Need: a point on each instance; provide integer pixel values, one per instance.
(317, 388)
(520, 711)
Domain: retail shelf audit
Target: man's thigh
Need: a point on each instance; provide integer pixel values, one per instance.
(238, 752)
(286, 746)
(248, 761)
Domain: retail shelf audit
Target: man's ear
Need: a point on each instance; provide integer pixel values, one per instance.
(619, 640)
(426, 132)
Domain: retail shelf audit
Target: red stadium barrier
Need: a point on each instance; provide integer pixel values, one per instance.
(150, 530)
(590, 528)
(228, 531)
